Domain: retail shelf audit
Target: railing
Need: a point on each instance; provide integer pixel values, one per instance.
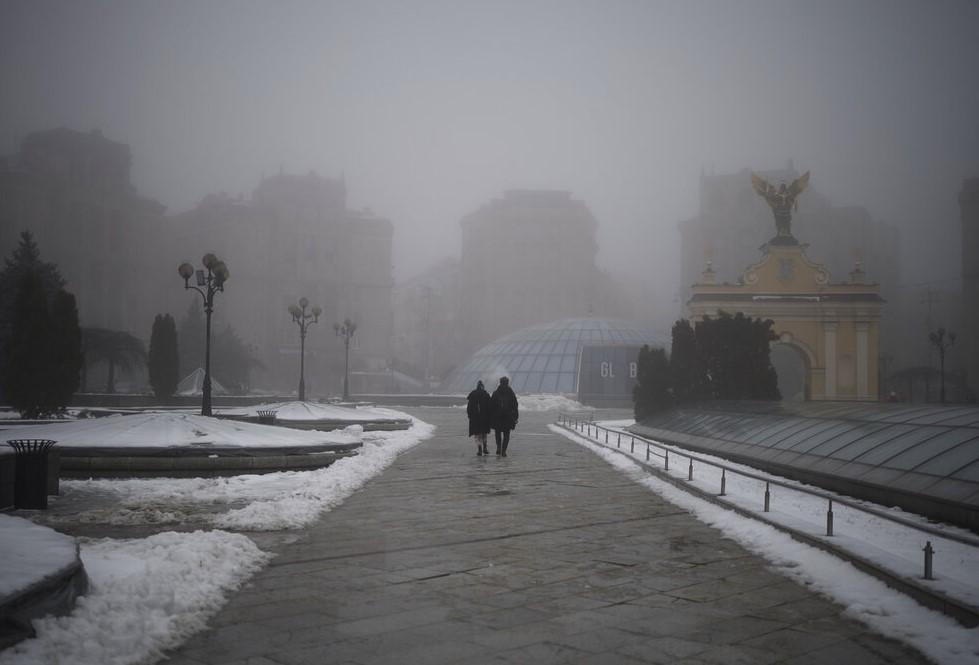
(655, 449)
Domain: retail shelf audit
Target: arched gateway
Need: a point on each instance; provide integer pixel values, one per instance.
(831, 330)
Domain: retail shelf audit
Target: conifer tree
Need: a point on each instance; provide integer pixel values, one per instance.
(164, 361)
(652, 392)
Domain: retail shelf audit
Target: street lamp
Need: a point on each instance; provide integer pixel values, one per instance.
(209, 281)
(346, 331)
(304, 321)
(942, 342)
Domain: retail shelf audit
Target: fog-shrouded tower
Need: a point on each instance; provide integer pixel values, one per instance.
(529, 258)
(969, 204)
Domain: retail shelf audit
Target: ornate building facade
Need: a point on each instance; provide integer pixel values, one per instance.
(732, 218)
(828, 333)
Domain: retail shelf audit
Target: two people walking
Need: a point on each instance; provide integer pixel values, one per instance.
(498, 412)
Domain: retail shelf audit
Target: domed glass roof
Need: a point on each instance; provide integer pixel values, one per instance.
(544, 358)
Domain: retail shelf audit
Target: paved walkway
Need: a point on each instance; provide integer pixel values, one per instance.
(546, 556)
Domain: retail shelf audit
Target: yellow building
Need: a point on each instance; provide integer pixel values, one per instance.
(828, 334)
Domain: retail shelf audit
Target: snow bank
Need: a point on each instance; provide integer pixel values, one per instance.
(145, 596)
(172, 429)
(267, 502)
(30, 553)
(305, 411)
(548, 403)
(865, 598)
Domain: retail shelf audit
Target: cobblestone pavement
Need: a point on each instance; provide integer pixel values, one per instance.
(545, 556)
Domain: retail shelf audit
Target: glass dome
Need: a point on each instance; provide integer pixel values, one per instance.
(545, 358)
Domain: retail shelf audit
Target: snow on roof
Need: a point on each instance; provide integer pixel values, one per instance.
(193, 384)
(168, 430)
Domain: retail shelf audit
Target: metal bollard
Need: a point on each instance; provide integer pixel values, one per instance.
(767, 497)
(647, 452)
(666, 464)
(723, 482)
(929, 553)
(606, 436)
(632, 448)
(829, 519)
(618, 442)
(690, 470)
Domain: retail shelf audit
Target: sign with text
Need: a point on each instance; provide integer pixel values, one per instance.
(607, 374)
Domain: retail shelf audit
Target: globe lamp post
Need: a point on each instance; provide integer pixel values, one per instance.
(346, 331)
(304, 321)
(209, 282)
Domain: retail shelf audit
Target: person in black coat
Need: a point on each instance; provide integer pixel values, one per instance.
(479, 409)
(505, 414)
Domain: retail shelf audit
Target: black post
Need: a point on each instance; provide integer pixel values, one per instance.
(208, 284)
(942, 342)
(206, 398)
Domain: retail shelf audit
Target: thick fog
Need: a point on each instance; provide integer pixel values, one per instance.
(430, 109)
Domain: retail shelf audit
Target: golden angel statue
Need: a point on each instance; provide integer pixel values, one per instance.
(782, 200)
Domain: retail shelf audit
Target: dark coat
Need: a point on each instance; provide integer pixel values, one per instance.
(505, 412)
(479, 410)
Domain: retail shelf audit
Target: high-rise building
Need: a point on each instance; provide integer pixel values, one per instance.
(529, 258)
(72, 191)
(296, 238)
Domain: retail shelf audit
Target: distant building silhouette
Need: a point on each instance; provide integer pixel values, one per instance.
(118, 252)
(529, 258)
(295, 237)
(72, 190)
(969, 204)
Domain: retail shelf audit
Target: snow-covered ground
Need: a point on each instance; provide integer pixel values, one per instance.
(148, 595)
(173, 429)
(865, 598)
(548, 403)
(30, 553)
(305, 411)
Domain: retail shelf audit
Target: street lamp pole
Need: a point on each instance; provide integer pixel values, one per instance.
(304, 321)
(209, 282)
(942, 342)
(346, 331)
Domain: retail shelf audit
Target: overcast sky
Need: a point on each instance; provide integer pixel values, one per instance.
(432, 108)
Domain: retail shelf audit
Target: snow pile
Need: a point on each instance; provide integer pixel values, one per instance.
(146, 596)
(267, 502)
(305, 411)
(866, 599)
(30, 553)
(172, 429)
(548, 403)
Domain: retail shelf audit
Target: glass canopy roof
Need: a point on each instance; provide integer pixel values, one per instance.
(926, 448)
(544, 358)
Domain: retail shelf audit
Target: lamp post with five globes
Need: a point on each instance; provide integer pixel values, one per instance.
(304, 321)
(209, 281)
(346, 331)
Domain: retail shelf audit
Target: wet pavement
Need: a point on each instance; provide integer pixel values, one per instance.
(546, 556)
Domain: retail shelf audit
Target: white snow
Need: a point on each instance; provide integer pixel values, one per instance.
(30, 553)
(146, 595)
(313, 411)
(149, 595)
(172, 429)
(544, 402)
(865, 598)
(282, 500)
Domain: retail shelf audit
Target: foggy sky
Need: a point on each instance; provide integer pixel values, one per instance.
(432, 108)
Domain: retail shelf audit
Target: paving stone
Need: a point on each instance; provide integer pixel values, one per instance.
(546, 556)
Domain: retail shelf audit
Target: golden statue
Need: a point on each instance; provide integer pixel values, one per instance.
(781, 200)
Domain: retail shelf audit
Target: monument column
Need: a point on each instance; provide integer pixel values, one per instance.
(829, 344)
(863, 359)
